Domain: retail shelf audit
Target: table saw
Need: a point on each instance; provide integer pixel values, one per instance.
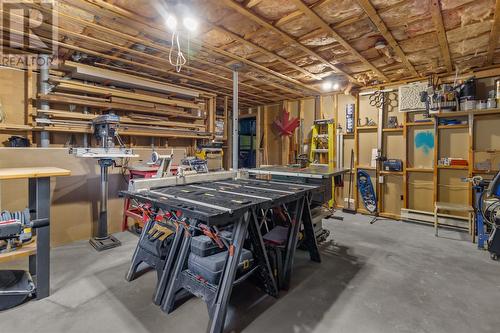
(323, 175)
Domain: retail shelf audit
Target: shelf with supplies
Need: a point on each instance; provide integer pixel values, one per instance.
(455, 126)
(423, 170)
(475, 112)
(385, 172)
(453, 167)
(367, 128)
(365, 167)
(453, 134)
(420, 123)
(397, 129)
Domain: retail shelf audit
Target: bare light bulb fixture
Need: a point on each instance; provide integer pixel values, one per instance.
(171, 22)
(380, 44)
(330, 85)
(327, 85)
(190, 23)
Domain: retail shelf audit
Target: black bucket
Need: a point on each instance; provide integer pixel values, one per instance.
(15, 288)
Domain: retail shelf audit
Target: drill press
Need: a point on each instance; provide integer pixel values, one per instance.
(105, 129)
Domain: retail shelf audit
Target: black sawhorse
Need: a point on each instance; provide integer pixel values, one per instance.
(176, 278)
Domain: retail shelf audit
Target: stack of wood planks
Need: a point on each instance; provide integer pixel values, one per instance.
(142, 113)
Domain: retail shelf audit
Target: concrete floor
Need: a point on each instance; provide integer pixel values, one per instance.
(387, 277)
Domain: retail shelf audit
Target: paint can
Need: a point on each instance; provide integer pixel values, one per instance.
(492, 103)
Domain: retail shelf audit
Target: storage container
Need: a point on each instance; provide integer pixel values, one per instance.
(210, 267)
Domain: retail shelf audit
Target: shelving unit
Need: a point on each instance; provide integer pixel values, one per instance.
(430, 177)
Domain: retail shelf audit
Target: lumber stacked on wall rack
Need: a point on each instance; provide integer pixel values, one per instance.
(159, 112)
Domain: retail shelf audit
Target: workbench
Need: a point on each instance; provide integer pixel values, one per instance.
(39, 205)
(236, 202)
(314, 175)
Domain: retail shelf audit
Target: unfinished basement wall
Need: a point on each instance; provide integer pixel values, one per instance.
(74, 198)
(421, 182)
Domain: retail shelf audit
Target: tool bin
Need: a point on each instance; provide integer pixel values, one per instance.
(210, 267)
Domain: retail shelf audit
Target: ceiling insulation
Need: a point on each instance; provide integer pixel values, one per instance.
(320, 39)
(274, 10)
(409, 10)
(284, 52)
(359, 29)
(299, 26)
(339, 10)
(413, 29)
(269, 40)
(478, 10)
(218, 38)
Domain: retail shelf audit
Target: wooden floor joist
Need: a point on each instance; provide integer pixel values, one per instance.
(152, 29)
(254, 17)
(313, 16)
(441, 33)
(494, 34)
(384, 31)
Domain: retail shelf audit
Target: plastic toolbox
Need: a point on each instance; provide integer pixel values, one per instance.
(15, 287)
(158, 247)
(276, 236)
(210, 268)
(203, 246)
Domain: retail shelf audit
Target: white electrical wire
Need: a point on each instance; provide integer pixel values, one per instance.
(3, 116)
(180, 60)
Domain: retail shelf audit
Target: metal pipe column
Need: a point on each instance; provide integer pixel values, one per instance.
(235, 120)
(44, 88)
(85, 136)
(102, 225)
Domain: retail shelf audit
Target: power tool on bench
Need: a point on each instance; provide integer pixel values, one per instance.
(487, 199)
(16, 286)
(15, 229)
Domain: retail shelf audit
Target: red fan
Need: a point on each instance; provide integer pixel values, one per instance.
(285, 125)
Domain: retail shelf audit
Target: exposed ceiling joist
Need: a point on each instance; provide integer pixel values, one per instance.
(142, 41)
(441, 33)
(327, 28)
(265, 51)
(254, 17)
(159, 32)
(243, 75)
(494, 34)
(384, 31)
(293, 15)
(252, 3)
(115, 56)
(146, 75)
(257, 66)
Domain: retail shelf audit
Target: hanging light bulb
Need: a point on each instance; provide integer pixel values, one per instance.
(190, 23)
(327, 85)
(336, 86)
(171, 22)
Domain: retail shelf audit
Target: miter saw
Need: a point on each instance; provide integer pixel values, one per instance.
(15, 230)
(105, 129)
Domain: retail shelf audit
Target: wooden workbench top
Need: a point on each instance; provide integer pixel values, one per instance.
(33, 172)
(22, 252)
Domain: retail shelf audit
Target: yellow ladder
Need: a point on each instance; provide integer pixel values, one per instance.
(323, 131)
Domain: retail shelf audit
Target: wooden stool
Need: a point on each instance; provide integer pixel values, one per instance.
(455, 208)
